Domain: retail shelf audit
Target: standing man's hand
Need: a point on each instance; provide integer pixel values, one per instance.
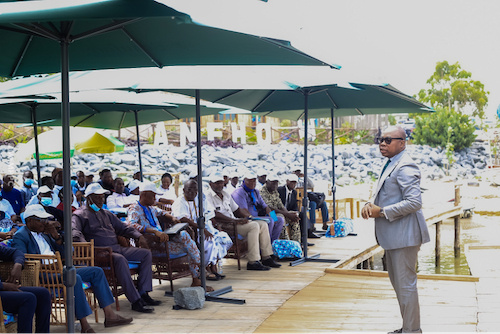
(371, 211)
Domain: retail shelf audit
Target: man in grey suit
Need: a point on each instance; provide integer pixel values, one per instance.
(400, 226)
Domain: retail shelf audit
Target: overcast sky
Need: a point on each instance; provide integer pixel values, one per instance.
(389, 41)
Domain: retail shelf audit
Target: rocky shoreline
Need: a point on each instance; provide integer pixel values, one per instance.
(354, 164)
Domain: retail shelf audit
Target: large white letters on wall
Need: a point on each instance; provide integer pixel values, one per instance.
(239, 132)
(187, 135)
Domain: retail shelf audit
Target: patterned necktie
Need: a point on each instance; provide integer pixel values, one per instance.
(386, 164)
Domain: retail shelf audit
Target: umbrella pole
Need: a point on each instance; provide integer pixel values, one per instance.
(138, 143)
(305, 200)
(37, 150)
(201, 216)
(69, 272)
(334, 187)
(214, 295)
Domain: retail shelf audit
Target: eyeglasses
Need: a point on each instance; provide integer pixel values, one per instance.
(387, 140)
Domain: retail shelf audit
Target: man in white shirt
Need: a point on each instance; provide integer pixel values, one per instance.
(256, 231)
(234, 182)
(118, 199)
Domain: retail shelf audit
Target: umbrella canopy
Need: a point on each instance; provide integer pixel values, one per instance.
(104, 109)
(125, 33)
(356, 99)
(37, 32)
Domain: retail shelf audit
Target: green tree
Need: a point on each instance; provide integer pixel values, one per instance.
(445, 128)
(451, 84)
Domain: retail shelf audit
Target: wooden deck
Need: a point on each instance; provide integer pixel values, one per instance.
(315, 297)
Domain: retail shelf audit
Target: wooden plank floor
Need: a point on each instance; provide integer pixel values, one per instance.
(343, 300)
(483, 262)
(268, 294)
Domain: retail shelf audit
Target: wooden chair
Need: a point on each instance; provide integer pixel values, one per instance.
(83, 256)
(240, 245)
(166, 266)
(29, 277)
(51, 277)
(103, 257)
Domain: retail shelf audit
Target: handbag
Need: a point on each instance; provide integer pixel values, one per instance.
(319, 198)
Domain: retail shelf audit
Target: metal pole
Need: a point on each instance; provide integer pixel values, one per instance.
(334, 187)
(69, 272)
(37, 151)
(306, 198)
(138, 143)
(201, 217)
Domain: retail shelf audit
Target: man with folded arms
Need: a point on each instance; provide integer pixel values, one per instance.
(93, 222)
(256, 231)
(40, 236)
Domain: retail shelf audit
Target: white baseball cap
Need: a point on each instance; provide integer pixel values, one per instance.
(216, 177)
(36, 210)
(43, 190)
(148, 186)
(272, 177)
(95, 188)
(292, 178)
(134, 184)
(262, 172)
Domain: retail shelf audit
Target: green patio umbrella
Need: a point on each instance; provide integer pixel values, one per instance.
(104, 109)
(292, 102)
(43, 36)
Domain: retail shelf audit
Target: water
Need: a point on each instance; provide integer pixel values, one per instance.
(479, 229)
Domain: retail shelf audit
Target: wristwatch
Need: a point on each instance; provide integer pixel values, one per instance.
(382, 214)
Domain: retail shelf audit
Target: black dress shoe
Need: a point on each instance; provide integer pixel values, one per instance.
(149, 301)
(310, 244)
(257, 265)
(313, 235)
(271, 263)
(139, 306)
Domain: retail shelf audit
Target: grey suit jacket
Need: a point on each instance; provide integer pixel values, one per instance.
(398, 192)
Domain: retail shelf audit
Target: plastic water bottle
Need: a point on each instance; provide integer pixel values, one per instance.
(219, 267)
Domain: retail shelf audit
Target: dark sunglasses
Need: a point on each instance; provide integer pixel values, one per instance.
(387, 140)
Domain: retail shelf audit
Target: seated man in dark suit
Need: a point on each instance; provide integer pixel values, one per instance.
(25, 301)
(288, 196)
(40, 236)
(93, 222)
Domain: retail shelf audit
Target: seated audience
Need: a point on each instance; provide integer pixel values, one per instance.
(93, 222)
(48, 182)
(6, 210)
(248, 198)
(166, 190)
(143, 216)
(233, 183)
(136, 176)
(29, 188)
(12, 195)
(186, 208)
(118, 199)
(40, 236)
(312, 205)
(24, 301)
(45, 198)
(134, 191)
(256, 231)
(272, 198)
(79, 187)
(261, 178)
